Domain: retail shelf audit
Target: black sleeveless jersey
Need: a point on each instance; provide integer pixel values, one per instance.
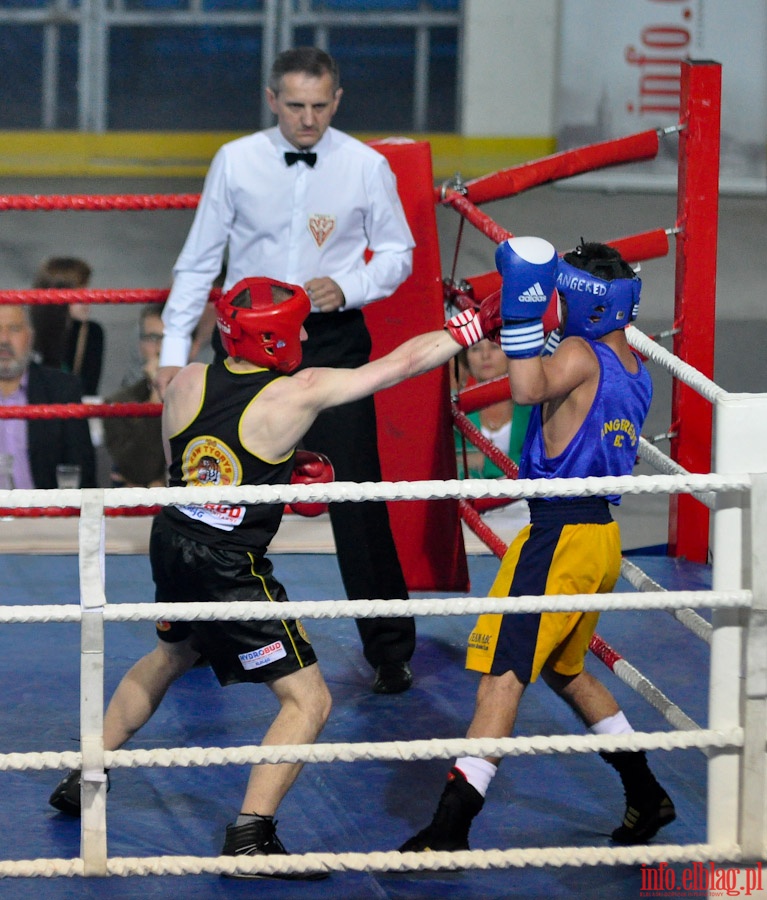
(208, 451)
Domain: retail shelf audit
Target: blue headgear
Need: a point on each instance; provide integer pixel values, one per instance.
(595, 306)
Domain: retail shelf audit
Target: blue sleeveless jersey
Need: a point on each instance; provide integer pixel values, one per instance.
(607, 441)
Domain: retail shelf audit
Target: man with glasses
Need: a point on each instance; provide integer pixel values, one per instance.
(135, 444)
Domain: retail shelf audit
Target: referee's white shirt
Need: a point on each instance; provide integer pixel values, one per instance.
(291, 223)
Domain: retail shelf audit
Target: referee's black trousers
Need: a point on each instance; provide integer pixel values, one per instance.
(367, 557)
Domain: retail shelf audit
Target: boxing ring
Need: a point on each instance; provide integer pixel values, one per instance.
(733, 491)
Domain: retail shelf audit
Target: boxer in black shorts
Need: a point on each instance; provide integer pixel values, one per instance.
(235, 422)
(251, 650)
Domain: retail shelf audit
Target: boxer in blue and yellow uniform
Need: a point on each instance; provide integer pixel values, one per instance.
(590, 401)
(571, 546)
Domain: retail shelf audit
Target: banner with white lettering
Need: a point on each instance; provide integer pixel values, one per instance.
(619, 75)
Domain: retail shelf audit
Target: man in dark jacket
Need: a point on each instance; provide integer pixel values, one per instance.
(38, 445)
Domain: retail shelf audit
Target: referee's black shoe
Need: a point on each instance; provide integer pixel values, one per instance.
(392, 678)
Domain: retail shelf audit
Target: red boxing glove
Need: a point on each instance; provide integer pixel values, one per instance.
(465, 328)
(490, 315)
(310, 468)
(552, 316)
(473, 325)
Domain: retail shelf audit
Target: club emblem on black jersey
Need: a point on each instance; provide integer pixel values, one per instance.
(208, 461)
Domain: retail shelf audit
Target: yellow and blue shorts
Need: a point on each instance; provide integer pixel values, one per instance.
(570, 547)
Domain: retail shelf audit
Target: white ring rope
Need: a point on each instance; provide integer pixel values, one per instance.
(371, 751)
(431, 748)
(662, 463)
(354, 492)
(687, 617)
(658, 459)
(677, 367)
(670, 711)
(367, 609)
(650, 596)
(536, 857)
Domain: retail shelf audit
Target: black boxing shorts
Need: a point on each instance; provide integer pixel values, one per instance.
(185, 570)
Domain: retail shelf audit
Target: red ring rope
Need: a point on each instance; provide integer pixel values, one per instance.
(38, 296)
(98, 202)
(81, 411)
(470, 430)
(565, 164)
(64, 512)
(89, 295)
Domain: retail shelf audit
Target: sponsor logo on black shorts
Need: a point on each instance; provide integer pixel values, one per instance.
(254, 659)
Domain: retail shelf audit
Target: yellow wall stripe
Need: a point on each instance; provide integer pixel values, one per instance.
(188, 154)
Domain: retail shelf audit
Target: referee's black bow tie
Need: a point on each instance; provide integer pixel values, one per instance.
(309, 158)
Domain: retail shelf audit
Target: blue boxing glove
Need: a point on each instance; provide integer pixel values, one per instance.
(528, 267)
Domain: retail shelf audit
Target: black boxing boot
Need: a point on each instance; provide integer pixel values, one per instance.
(449, 829)
(259, 838)
(648, 806)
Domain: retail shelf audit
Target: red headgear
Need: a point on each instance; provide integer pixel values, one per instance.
(259, 323)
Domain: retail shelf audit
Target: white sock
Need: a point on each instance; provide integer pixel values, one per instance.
(617, 724)
(477, 771)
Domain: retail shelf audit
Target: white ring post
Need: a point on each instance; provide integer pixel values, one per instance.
(740, 435)
(752, 813)
(93, 790)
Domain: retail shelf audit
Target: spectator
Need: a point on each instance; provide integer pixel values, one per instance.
(38, 445)
(459, 374)
(503, 423)
(64, 337)
(135, 444)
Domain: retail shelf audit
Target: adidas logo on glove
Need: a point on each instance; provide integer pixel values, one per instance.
(533, 294)
(528, 268)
